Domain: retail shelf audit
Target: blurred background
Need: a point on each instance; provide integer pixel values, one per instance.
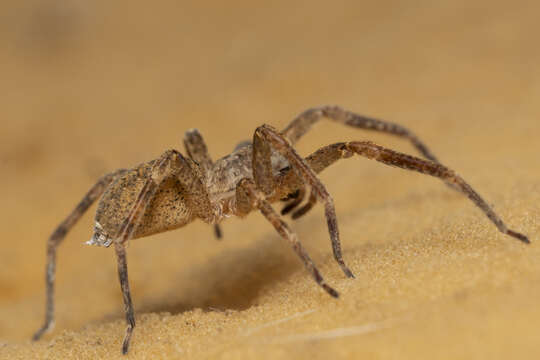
(88, 87)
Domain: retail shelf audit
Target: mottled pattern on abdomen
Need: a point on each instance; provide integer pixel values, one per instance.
(168, 210)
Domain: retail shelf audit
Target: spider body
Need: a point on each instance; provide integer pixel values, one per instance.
(173, 190)
(173, 204)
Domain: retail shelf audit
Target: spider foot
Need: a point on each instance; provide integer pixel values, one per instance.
(518, 236)
(48, 326)
(347, 271)
(127, 338)
(330, 290)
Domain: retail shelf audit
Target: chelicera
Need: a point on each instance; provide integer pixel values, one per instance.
(174, 190)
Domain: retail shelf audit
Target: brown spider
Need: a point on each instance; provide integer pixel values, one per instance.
(172, 191)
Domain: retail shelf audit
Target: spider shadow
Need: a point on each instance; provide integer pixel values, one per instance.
(231, 280)
(236, 278)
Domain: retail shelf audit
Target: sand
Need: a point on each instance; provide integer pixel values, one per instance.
(91, 87)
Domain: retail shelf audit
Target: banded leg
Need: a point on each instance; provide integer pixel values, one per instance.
(303, 123)
(56, 239)
(248, 197)
(327, 155)
(266, 138)
(197, 150)
(171, 163)
(121, 259)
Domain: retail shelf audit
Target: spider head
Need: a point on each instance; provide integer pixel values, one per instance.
(100, 237)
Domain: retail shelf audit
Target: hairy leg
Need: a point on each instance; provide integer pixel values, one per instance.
(120, 250)
(171, 163)
(248, 197)
(267, 138)
(58, 236)
(327, 155)
(197, 150)
(303, 123)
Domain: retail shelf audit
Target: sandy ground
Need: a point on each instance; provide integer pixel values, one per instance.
(88, 87)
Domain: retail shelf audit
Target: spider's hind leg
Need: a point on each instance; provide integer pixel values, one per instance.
(327, 155)
(56, 239)
(171, 163)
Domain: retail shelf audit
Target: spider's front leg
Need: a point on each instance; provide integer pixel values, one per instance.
(303, 123)
(266, 140)
(248, 197)
(171, 163)
(327, 155)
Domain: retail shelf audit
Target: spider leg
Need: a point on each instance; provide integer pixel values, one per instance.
(248, 197)
(57, 237)
(303, 122)
(126, 294)
(266, 138)
(198, 151)
(171, 163)
(327, 155)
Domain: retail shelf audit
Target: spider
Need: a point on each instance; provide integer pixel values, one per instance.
(174, 190)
